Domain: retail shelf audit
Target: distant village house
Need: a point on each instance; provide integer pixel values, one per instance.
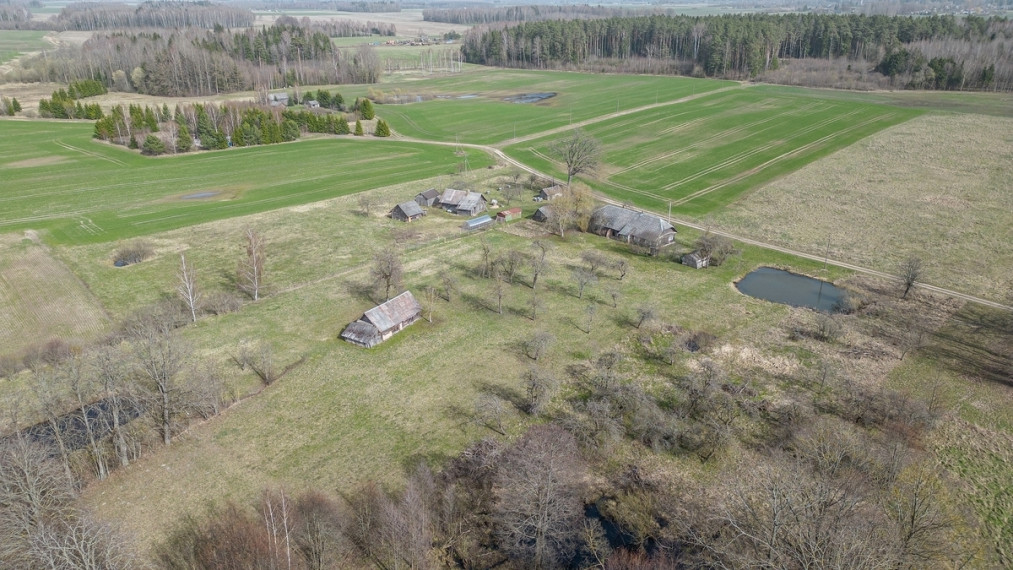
(427, 198)
(550, 193)
(696, 260)
(407, 211)
(630, 226)
(383, 321)
(508, 215)
(462, 202)
(542, 214)
(278, 99)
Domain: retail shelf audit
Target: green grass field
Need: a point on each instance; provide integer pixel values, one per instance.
(474, 109)
(16, 42)
(56, 178)
(702, 154)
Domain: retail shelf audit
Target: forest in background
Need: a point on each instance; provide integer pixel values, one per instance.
(189, 61)
(934, 52)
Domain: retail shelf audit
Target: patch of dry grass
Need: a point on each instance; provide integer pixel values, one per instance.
(935, 187)
(41, 299)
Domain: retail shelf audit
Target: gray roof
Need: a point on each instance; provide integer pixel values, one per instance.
(470, 201)
(629, 222)
(543, 213)
(388, 315)
(430, 194)
(410, 208)
(452, 197)
(552, 191)
(361, 332)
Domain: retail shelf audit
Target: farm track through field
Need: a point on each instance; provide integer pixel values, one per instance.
(623, 113)
(89, 153)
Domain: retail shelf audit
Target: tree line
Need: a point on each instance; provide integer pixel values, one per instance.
(740, 46)
(164, 14)
(489, 14)
(65, 103)
(187, 62)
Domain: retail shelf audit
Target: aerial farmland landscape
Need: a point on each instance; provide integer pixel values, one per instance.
(293, 284)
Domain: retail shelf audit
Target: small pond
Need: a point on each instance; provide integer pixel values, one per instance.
(780, 286)
(199, 195)
(530, 97)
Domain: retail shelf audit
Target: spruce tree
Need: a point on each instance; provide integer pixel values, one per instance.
(358, 128)
(184, 142)
(382, 130)
(366, 109)
(342, 126)
(15, 105)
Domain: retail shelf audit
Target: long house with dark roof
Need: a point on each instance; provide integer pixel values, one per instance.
(630, 226)
(383, 321)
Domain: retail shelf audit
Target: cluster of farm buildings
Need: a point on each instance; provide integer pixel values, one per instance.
(614, 222)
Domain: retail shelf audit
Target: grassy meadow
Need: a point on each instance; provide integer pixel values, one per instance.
(703, 154)
(471, 107)
(348, 414)
(16, 42)
(936, 187)
(55, 178)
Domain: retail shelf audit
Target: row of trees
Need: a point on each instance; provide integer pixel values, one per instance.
(749, 45)
(489, 14)
(190, 61)
(65, 104)
(9, 106)
(161, 14)
(214, 127)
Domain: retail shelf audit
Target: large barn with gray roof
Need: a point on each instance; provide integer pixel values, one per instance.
(383, 321)
(631, 226)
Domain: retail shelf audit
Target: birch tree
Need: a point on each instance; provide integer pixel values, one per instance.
(251, 268)
(186, 286)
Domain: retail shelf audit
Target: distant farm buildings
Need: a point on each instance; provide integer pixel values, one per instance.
(508, 215)
(550, 193)
(407, 211)
(427, 198)
(383, 321)
(696, 260)
(278, 99)
(462, 202)
(542, 214)
(630, 226)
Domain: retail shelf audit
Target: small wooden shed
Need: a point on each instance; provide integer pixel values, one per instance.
(508, 215)
(695, 260)
(550, 193)
(427, 198)
(407, 211)
(542, 214)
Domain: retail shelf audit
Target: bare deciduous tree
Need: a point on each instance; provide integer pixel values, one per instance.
(589, 313)
(112, 374)
(583, 277)
(251, 269)
(614, 293)
(622, 266)
(910, 273)
(386, 271)
(580, 152)
(186, 286)
(645, 314)
(160, 355)
(539, 387)
(449, 283)
(489, 411)
(539, 344)
(538, 508)
(367, 202)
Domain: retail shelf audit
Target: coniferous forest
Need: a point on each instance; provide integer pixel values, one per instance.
(933, 52)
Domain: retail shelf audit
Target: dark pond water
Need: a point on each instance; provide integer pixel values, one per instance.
(790, 289)
(530, 97)
(72, 427)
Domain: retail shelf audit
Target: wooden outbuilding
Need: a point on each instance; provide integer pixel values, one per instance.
(427, 198)
(550, 193)
(508, 215)
(407, 211)
(695, 260)
(383, 321)
(542, 214)
(630, 226)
